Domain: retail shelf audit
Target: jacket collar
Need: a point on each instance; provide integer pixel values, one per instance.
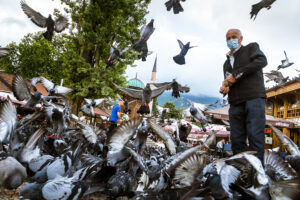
(235, 51)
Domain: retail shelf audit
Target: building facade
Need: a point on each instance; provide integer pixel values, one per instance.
(284, 103)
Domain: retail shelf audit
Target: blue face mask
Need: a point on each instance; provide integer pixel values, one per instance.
(233, 44)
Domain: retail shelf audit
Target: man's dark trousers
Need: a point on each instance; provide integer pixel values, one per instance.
(248, 119)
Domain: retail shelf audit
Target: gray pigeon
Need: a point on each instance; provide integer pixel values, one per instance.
(175, 86)
(90, 105)
(22, 92)
(140, 45)
(180, 58)
(115, 53)
(54, 89)
(38, 19)
(257, 7)
(175, 4)
(146, 95)
(12, 173)
(285, 63)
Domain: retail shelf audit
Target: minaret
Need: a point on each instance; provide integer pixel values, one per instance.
(153, 76)
(153, 79)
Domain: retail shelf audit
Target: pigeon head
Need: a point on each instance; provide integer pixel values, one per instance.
(148, 86)
(51, 92)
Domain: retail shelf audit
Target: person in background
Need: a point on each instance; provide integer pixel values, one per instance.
(115, 116)
(244, 84)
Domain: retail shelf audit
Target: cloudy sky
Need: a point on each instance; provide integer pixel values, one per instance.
(204, 24)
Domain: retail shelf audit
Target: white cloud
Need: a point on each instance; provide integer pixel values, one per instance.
(203, 23)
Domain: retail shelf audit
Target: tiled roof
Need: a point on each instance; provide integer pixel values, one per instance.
(100, 112)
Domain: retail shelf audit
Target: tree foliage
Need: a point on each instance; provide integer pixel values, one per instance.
(79, 56)
(173, 112)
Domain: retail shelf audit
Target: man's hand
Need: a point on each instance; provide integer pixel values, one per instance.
(230, 79)
(224, 90)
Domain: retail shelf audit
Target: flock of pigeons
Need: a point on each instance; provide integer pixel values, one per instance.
(63, 157)
(276, 75)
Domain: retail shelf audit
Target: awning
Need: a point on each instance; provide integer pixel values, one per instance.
(222, 113)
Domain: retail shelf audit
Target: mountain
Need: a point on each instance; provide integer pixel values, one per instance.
(182, 102)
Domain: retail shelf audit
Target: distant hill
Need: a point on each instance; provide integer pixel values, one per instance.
(182, 102)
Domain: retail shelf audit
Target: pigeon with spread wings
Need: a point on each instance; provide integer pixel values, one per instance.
(146, 95)
(257, 7)
(175, 4)
(38, 19)
(180, 58)
(175, 86)
(22, 92)
(115, 53)
(285, 63)
(140, 45)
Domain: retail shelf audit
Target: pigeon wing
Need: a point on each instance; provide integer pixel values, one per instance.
(61, 24)
(181, 45)
(158, 91)
(256, 8)
(62, 90)
(88, 101)
(47, 84)
(98, 101)
(4, 52)
(162, 84)
(170, 144)
(36, 17)
(8, 119)
(183, 89)
(20, 88)
(120, 136)
(137, 94)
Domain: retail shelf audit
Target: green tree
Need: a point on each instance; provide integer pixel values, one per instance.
(154, 107)
(79, 56)
(96, 24)
(35, 56)
(173, 112)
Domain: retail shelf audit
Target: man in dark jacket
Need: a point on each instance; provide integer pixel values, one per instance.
(244, 84)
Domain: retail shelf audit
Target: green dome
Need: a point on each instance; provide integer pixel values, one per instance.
(135, 82)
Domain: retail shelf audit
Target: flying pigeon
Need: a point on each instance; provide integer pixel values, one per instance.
(22, 92)
(90, 105)
(38, 19)
(115, 53)
(54, 89)
(285, 63)
(146, 95)
(4, 52)
(140, 45)
(175, 4)
(175, 86)
(179, 59)
(257, 7)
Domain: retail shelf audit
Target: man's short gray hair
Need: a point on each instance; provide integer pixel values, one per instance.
(235, 29)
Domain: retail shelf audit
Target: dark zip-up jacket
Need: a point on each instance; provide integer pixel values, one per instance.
(247, 70)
